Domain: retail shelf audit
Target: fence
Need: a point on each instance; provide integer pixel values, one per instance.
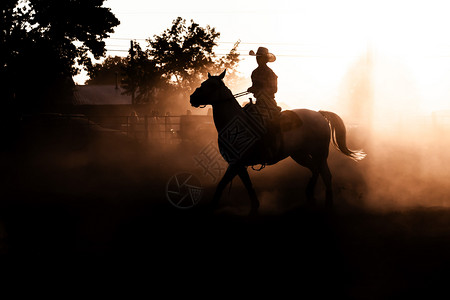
(162, 129)
(159, 129)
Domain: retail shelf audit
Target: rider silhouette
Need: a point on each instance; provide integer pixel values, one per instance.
(264, 80)
(264, 87)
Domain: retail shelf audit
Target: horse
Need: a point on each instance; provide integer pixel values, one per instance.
(307, 144)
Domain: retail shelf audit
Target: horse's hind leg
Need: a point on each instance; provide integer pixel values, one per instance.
(230, 173)
(326, 177)
(307, 161)
(243, 174)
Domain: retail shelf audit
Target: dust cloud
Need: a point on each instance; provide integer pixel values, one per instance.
(407, 148)
(73, 186)
(378, 101)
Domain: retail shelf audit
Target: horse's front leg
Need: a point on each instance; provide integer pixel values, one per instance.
(243, 174)
(230, 173)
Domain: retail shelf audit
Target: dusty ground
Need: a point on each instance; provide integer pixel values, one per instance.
(100, 196)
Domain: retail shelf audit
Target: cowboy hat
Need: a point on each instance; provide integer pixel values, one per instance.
(262, 51)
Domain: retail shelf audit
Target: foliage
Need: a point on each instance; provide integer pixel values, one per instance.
(142, 78)
(185, 54)
(172, 66)
(107, 72)
(42, 41)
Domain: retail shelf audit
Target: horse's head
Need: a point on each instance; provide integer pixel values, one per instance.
(211, 91)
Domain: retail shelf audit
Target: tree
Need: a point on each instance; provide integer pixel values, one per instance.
(12, 38)
(44, 40)
(185, 54)
(174, 64)
(229, 63)
(142, 77)
(107, 72)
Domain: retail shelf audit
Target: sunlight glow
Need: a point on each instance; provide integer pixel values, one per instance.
(413, 36)
(317, 43)
(406, 38)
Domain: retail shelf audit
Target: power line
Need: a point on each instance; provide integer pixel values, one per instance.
(126, 39)
(209, 12)
(307, 56)
(241, 43)
(321, 45)
(323, 52)
(278, 55)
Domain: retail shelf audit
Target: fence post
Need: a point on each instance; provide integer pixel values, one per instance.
(165, 129)
(146, 128)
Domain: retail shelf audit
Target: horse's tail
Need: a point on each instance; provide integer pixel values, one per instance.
(339, 134)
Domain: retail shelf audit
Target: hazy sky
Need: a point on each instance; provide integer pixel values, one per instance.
(315, 41)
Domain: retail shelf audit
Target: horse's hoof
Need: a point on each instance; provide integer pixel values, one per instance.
(311, 202)
(254, 208)
(213, 205)
(329, 205)
(253, 212)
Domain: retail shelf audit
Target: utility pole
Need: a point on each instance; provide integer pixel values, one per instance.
(132, 81)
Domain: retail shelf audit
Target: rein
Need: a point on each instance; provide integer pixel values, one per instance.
(241, 94)
(237, 95)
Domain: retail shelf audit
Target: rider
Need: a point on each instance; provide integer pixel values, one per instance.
(264, 80)
(264, 87)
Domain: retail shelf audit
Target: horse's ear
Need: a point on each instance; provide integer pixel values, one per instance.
(209, 75)
(221, 76)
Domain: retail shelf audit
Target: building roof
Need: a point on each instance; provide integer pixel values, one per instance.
(100, 95)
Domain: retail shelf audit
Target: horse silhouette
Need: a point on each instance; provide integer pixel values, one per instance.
(241, 135)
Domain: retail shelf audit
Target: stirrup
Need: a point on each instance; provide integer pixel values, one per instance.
(260, 168)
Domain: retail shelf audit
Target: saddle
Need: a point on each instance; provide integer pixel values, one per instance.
(256, 137)
(289, 120)
(273, 140)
